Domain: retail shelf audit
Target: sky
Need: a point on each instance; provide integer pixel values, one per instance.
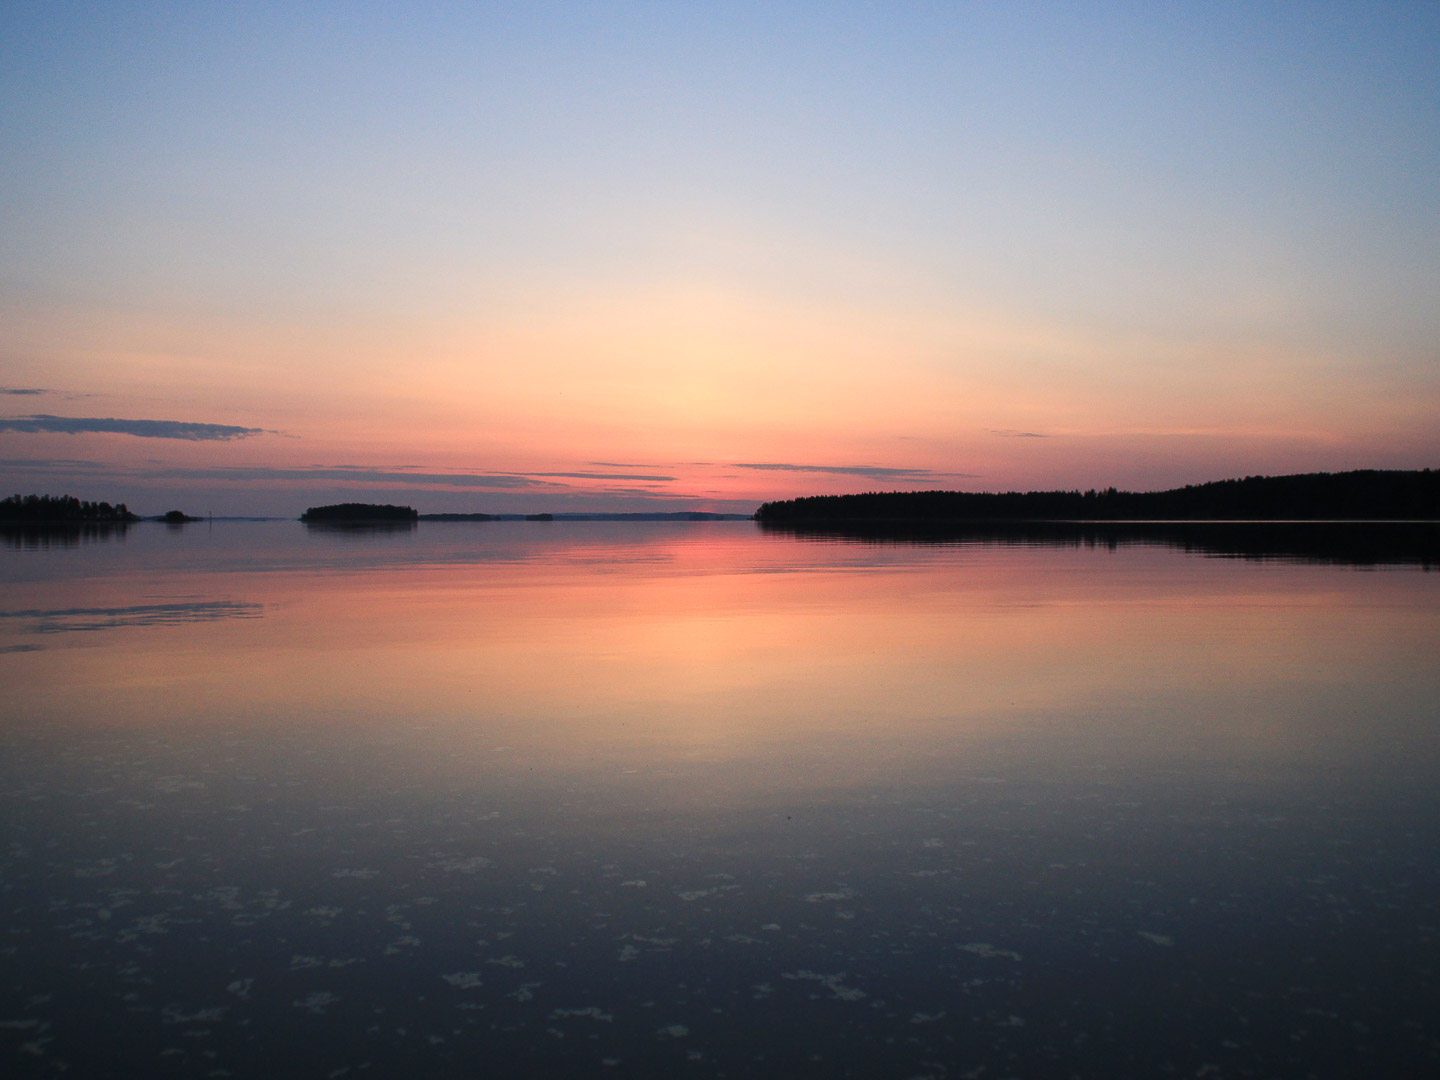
(692, 256)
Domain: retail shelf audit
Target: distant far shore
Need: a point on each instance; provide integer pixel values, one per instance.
(686, 515)
(378, 514)
(1362, 495)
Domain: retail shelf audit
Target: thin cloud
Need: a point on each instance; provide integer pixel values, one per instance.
(145, 429)
(649, 493)
(1011, 433)
(602, 476)
(351, 474)
(356, 474)
(51, 463)
(23, 391)
(869, 472)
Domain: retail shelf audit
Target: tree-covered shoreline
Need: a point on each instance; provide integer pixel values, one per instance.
(41, 510)
(1362, 495)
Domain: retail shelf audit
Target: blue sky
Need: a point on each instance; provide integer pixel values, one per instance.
(1174, 242)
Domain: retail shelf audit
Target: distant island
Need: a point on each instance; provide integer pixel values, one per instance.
(1362, 495)
(681, 515)
(177, 517)
(359, 514)
(62, 510)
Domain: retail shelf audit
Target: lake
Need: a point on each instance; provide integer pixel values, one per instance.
(520, 799)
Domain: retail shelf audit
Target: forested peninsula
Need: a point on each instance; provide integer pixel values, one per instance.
(65, 510)
(1362, 495)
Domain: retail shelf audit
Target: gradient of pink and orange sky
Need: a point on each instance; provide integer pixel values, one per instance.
(571, 257)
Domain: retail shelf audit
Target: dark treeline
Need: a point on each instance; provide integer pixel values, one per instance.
(359, 514)
(1362, 495)
(61, 510)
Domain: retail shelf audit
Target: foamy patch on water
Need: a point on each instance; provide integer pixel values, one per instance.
(832, 983)
(526, 992)
(464, 980)
(592, 1011)
(980, 948)
(172, 1015)
(461, 864)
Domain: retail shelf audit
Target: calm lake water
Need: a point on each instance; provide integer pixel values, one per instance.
(695, 800)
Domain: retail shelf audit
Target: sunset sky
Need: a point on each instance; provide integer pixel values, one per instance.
(669, 256)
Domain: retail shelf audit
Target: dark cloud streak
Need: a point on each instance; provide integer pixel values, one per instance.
(603, 476)
(352, 474)
(870, 472)
(146, 429)
(355, 474)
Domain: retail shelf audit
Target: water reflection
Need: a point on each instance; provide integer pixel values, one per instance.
(73, 620)
(1352, 543)
(360, 530)
(35, 537)
(702, 800)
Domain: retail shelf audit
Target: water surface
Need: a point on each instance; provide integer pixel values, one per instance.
(620, 799)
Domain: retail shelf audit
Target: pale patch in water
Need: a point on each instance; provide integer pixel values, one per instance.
(172, 1015)
(980, 948)
(464, 980)
(591, 1011)
(461, 865)
(317, 1002)
(830, 982)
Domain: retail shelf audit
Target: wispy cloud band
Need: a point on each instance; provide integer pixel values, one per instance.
(870, 472)
(348, 474)
(145, 429)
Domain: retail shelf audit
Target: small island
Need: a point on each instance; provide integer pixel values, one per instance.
(360, 514)
(177, 517)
